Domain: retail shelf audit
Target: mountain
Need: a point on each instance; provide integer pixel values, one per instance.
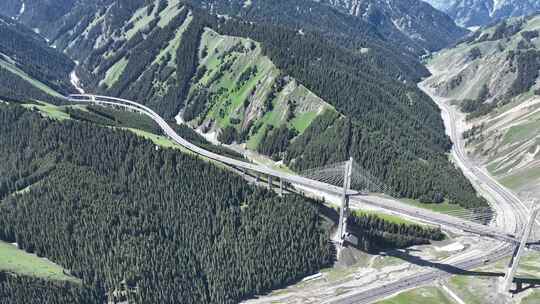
(126, 220)
(30, 66)
(272, 78)
(493, 77)
(409, 22)
(297, 95)
(473, 13)
(137, 221)
(301, 15)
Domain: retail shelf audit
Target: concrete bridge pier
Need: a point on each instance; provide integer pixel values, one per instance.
(514, 262)
(270, 182)
(344, 211)
(281, 187)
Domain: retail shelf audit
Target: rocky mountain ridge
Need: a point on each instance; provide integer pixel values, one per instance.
(474, 13)
(412, 24)
(426, 27)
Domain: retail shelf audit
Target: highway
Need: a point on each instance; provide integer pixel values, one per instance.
(413, 212)
(424, 278)
(500, 251)
(509, 207)
(511, 211)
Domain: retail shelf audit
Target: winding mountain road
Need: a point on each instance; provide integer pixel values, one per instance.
(511, 217)
(502, 249)
(414, 212)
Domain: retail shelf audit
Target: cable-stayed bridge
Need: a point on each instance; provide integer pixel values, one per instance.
(347, 180)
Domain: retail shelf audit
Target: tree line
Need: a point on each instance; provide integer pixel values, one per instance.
(376, 234)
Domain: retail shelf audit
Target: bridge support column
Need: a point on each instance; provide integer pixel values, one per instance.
(514, 262)
(270, 182)
(258, 179)
(344, 212)
(280, 187)
(242, 172)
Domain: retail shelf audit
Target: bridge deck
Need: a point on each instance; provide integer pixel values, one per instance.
(418, 213)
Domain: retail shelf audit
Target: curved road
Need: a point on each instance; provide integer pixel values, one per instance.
(512, 214)
(502, 250)
(418, 213)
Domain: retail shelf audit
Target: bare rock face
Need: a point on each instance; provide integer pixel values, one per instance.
(472, 13)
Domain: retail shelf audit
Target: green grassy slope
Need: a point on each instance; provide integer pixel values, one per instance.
(246, 90)
(14, 260)
(234, 84)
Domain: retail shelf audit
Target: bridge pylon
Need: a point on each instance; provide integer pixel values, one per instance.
(344, 211)
(514, 261)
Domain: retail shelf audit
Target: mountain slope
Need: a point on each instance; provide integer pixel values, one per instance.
(409, 24)
(272, 87)
(494, 77)
(168, 58)
(402, 20)
(144, 224)
(297, 14)
(29, 66)
(471, 13)
(269, 87)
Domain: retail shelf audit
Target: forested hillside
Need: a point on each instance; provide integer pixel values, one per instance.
(409, 25)
(29, 68)
(376, 234)
(135, 222)
(412, 23)
(272, 88)
(152, 225)
(132, 218)
(293, 94)
(20, 289)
